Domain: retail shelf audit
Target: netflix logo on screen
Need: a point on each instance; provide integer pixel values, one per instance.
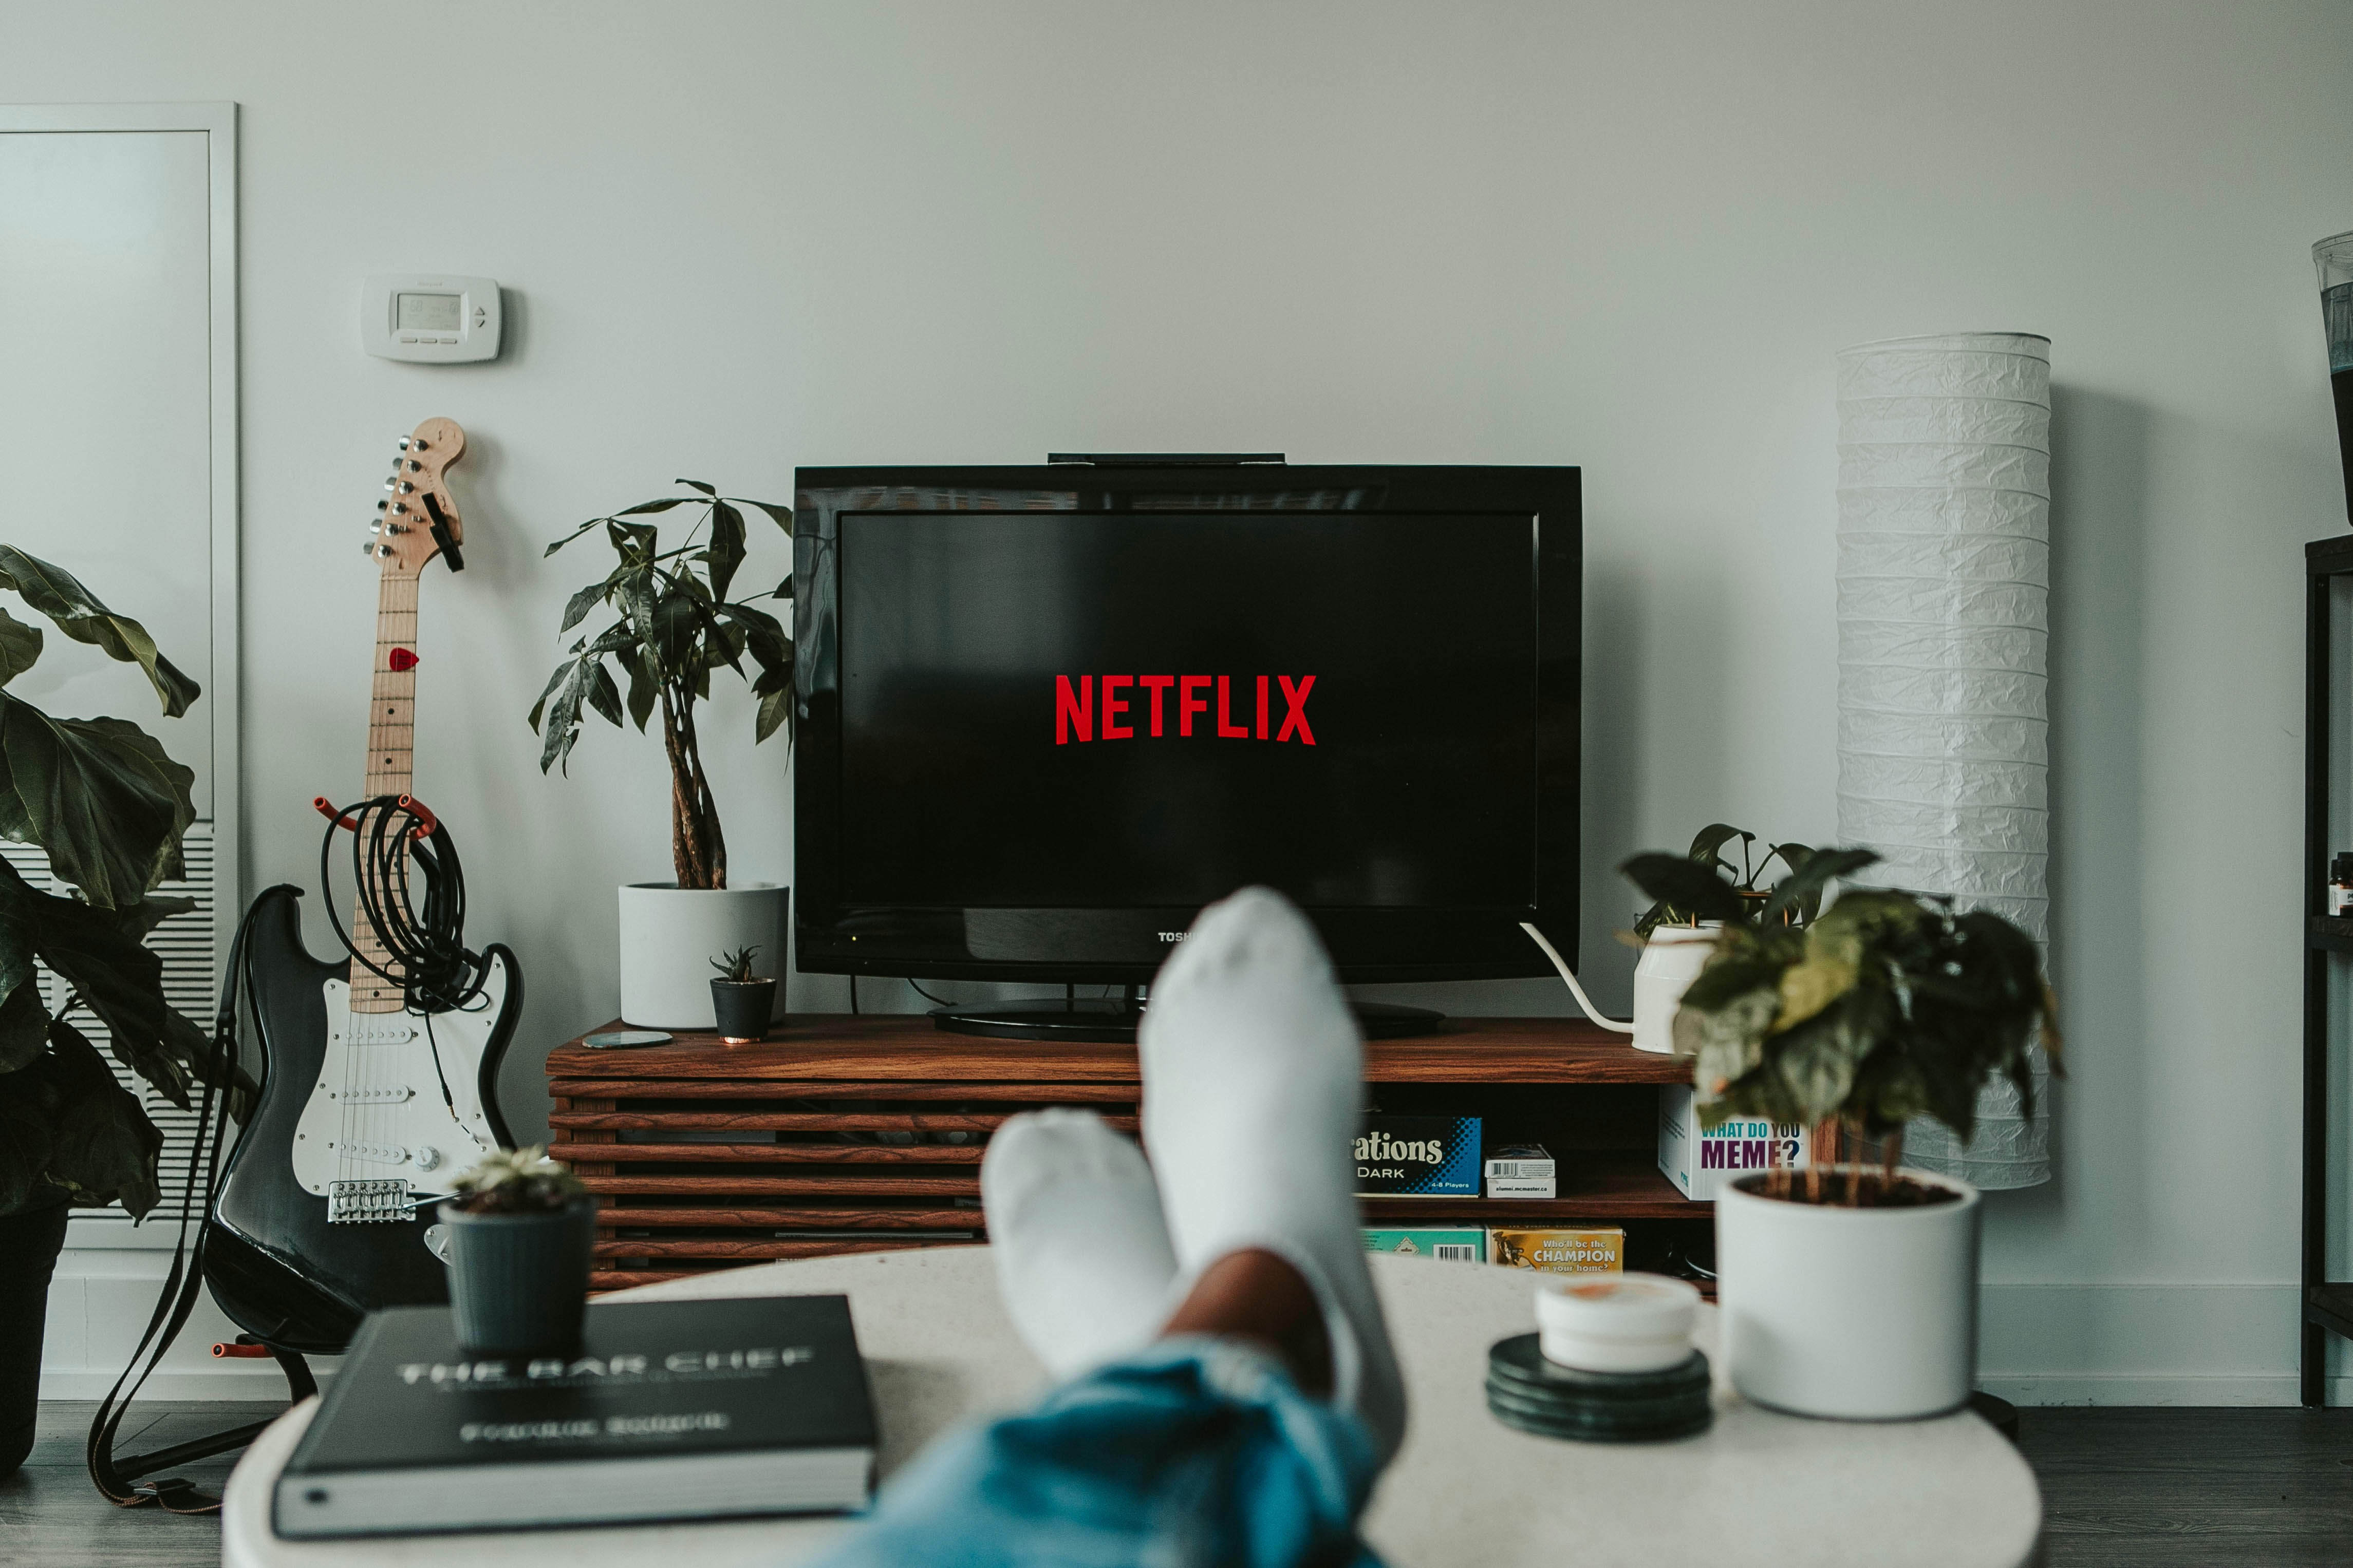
(1155, 706)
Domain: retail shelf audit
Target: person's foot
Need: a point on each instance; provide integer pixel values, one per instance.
(1253, 1094)
(1083, 1255)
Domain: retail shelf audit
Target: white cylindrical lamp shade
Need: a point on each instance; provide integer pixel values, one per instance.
(1943, 580)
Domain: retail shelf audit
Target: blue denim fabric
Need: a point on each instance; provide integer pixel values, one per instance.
(1199, 1451)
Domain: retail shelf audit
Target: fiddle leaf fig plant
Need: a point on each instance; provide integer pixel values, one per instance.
(1888, 1005)
(676, 626)
(108, 808)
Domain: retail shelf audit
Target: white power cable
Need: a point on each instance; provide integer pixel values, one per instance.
(1575, 989)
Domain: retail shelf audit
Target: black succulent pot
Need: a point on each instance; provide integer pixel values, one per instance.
(29, 1242)
(519, 1282)
(743, 1008)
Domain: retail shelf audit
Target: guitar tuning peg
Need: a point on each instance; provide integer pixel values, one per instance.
(414, 467)
(404, 487)
(403, 443)
(420, 445)
(400, 506)
(382, 504)
(389, 483)
(375, 525)
(368, 549)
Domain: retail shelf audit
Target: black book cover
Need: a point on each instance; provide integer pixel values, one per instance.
(652, 1382)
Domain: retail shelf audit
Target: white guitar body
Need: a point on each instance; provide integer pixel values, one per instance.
(378, 1135)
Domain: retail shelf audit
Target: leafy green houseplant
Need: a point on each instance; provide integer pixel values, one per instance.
(1852, 1295)
(676, 626)
(1886, 1007)
(1697, 894)
(108, 808)
(1704, 884)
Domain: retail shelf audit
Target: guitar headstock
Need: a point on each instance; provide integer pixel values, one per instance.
(418, 519)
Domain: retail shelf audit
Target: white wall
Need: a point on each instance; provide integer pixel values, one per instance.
(744, 236)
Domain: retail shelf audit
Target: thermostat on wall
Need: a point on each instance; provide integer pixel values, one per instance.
(429, 318)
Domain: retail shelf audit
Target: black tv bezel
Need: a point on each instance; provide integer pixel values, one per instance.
(1126, 946)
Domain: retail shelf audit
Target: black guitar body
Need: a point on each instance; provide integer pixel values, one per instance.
(273, 1261)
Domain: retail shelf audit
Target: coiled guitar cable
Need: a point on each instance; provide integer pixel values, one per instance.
(426, 946)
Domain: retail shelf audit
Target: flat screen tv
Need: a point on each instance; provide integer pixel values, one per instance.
(1047, 713)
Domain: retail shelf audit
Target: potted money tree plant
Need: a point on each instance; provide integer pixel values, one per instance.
(108, 808)
(675, 627)
(1849, 1288)
(521, 1229)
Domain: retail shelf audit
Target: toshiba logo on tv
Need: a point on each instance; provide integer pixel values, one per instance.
(1150, 705)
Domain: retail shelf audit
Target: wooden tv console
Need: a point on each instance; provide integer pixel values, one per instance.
(865, 1133)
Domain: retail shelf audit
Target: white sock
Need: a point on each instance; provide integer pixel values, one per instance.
(1083, 1255)
(1253, 1097)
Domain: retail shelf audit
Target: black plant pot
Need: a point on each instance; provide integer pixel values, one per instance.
(744, 1009)
(519, 1282)
(30, 1241)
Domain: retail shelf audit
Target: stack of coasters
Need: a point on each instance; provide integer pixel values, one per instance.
(1525, 1391)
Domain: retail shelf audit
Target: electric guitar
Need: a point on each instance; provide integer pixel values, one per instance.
(368, 1106)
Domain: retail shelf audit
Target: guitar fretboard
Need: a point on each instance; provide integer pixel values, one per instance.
(392, 734)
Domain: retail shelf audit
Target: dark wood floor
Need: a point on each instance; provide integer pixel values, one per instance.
(2121, 1488)
(2232, 1487)
(51, 1515)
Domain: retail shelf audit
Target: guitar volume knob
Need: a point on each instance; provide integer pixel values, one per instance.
(424, 1157)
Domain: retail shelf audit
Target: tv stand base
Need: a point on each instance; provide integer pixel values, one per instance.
(1112, 1020)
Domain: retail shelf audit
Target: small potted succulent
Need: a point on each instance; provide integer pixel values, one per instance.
(742, 1001)
(1850, 1289)
(1693, 900)
(520, 1232)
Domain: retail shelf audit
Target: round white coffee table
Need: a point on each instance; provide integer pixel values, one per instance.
(1756, 1488)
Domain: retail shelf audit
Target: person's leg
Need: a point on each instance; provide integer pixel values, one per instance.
(1252, 1430)
(1254, 1095)
(1082, 1256)
(1261, 1299)
(1203, 1449)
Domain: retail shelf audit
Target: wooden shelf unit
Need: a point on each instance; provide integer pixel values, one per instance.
(863, 1134)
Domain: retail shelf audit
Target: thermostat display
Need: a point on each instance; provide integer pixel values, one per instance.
(429, 313)
(429, 320)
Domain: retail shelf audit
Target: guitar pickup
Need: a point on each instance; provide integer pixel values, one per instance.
(370, 1202)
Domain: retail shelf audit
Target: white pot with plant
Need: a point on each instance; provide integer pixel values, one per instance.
(676, 626)
(1850, 1289)
(1676, 941)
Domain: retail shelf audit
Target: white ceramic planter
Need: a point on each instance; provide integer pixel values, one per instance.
(1671, 959)
(1869, 1314)
(669, 935)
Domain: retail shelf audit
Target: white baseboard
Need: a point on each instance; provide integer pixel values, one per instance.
(100, 1301)
(2154, 1344)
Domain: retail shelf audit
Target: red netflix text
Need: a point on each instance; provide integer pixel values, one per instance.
(1154, 706)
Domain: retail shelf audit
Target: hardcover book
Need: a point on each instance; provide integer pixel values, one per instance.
(667, 1410)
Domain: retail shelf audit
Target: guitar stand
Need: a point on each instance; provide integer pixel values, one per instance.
(178, 1494)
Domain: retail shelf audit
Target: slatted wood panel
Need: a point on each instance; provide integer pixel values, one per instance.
(191, 976)
(859, 1134)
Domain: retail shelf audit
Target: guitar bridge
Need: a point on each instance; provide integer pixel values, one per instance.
(369, 1203)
